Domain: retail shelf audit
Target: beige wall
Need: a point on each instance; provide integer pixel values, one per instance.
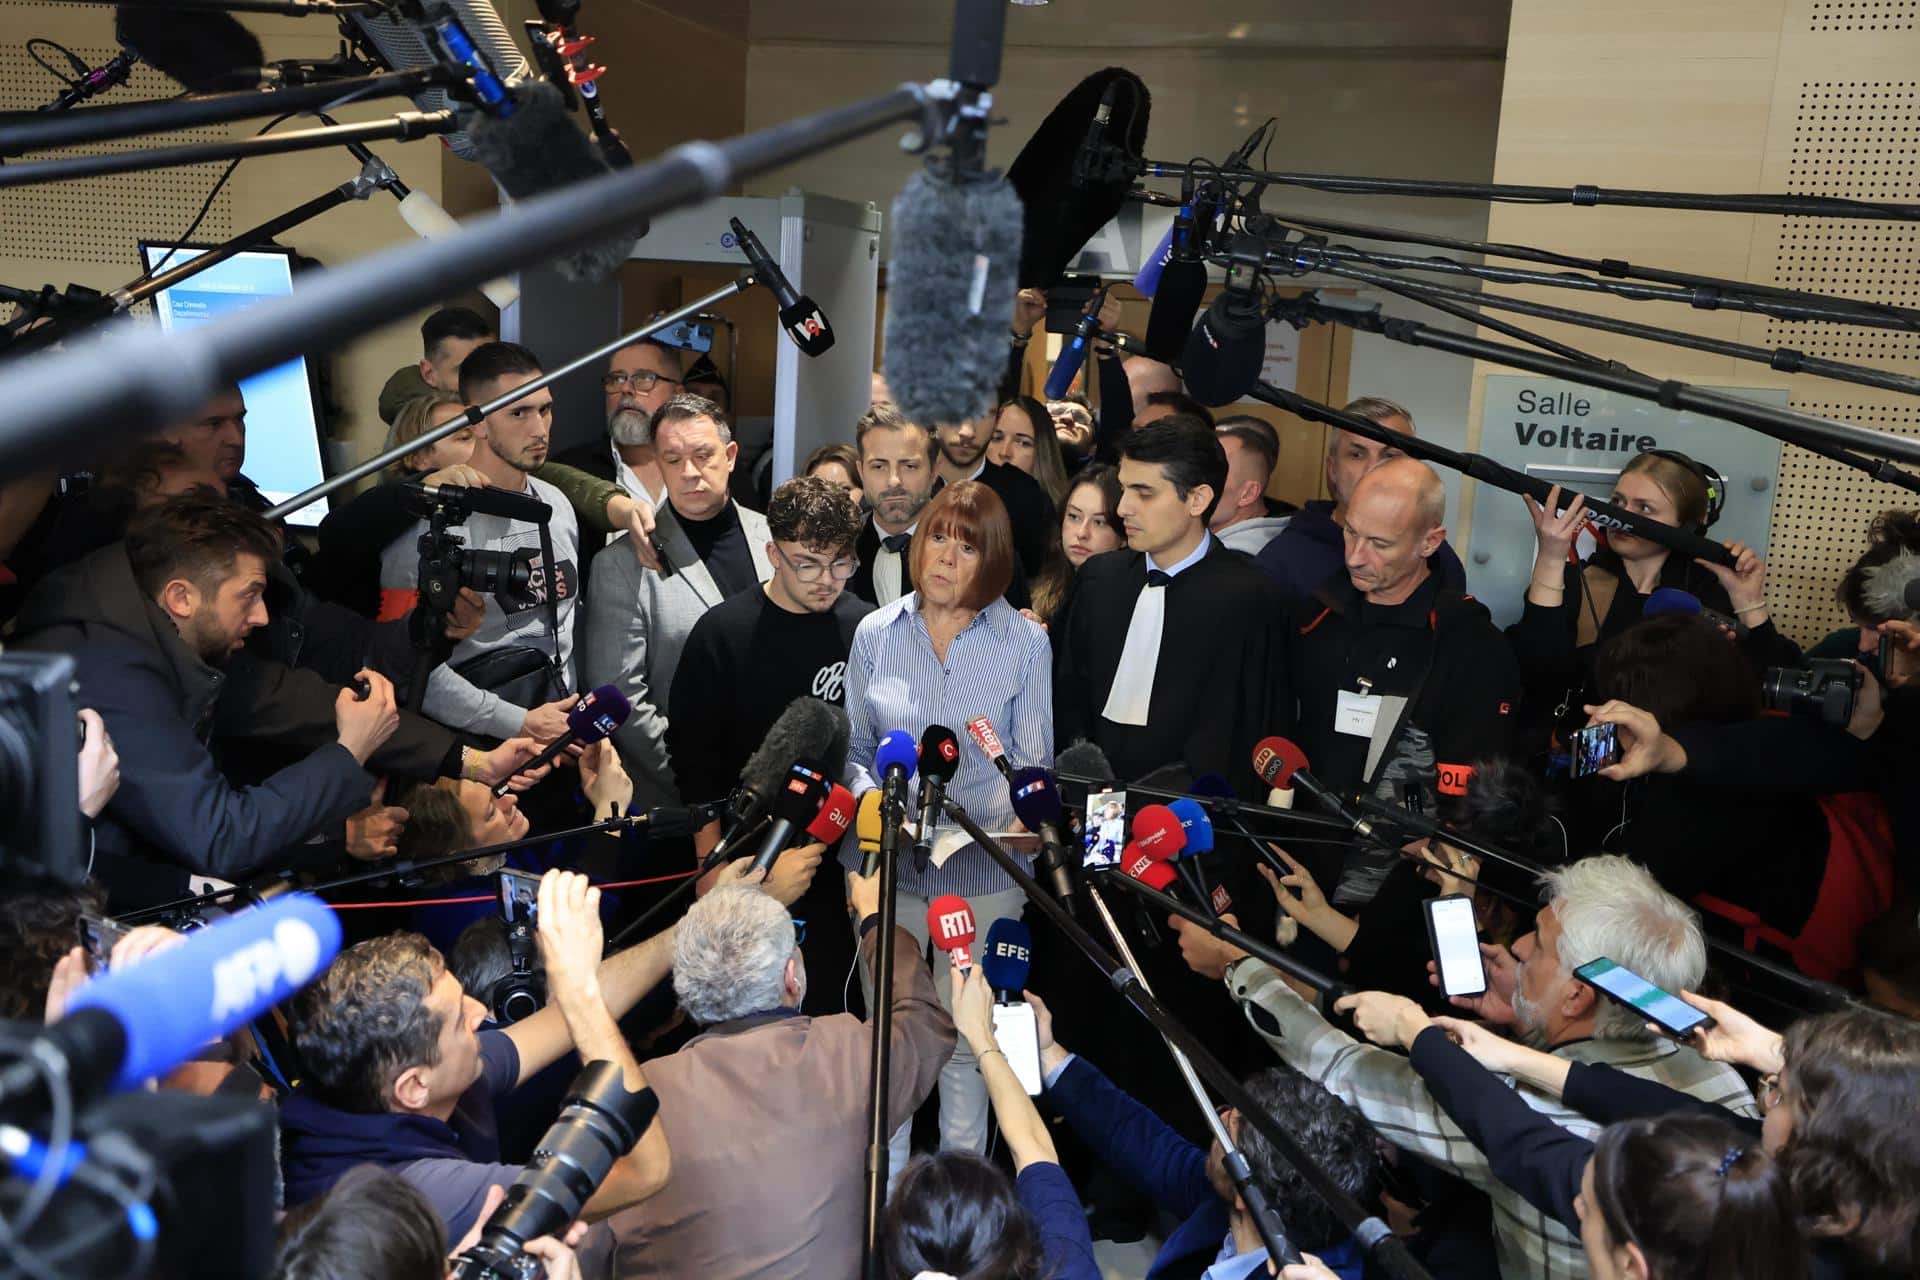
(1741, 95)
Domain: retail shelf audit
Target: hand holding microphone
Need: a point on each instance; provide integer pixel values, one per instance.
(592, 719)
(950, 925)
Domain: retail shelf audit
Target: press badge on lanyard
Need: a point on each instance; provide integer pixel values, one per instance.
(1357, 713)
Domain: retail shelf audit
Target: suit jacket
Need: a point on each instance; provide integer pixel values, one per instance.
(1029, 510)
(636, 623)
(866, 547)
(767, 1119)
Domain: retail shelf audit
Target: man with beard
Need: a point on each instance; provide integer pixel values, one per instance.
(962, 455)
(639, 379)
(896, 472)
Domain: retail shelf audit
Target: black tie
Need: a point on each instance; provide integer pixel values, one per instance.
(1155, 578)
(897, 542)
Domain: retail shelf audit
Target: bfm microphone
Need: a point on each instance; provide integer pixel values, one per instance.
(136, 1023)
(589, 720)
(939, 760)
(866, 829)
(896, 756)
(835, 816)
(1007, 958)
(1066, 366)
(803, 320)
(1281, 764)
(1198, 829)
(1036, 802)
(981, 730)
(1223, 356)
(950, 925)
(797, 805)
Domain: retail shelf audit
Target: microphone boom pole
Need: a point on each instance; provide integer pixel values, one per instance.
(880, 1019)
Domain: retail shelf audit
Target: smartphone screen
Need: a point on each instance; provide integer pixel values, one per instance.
(1456, 945)
(1106, 828)
(99, 934)
(1679, 1018)
(1018, 1035)
(519, 894)
(1593, 749)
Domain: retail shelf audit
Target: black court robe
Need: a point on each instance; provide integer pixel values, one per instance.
(1219, 686)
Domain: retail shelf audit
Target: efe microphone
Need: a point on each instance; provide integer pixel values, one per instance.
(1006, 958)
(589, 720)
(803, 320)
(950, 925)
(1282, 764)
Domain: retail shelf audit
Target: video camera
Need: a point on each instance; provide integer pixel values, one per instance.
(447, 564)
(1823, 689)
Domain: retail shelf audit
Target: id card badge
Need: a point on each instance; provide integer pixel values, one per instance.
(1356, 713)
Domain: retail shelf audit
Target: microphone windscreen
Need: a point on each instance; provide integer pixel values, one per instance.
(939, 753)
(1065, 217)
(1147, 869)
(950, 922)
(1148, 280)
(539, 149)
(1670, 600)
(804, 731)
(866, 822)
(221, 977)
(1276, 760)
(1035, 796)
(835, 816)
(897, 747)
(1157, 833)
(206, 52)
(1892, 590)
(950, 287)
(1223, 356)
(801, 797)
(1008, 956)
(598, 714)
(1195, 823)
(1084, 760)
(1183, 287)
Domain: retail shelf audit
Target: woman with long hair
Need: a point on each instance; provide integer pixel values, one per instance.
(1089, 525)
(1024, 436)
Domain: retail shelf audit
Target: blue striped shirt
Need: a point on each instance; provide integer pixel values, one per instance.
(1001, 667)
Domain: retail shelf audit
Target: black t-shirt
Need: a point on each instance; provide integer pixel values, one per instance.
(721, 545)
(742, 663)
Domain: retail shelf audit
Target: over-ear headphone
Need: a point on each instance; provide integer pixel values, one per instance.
(1716, 484)
(520, 991)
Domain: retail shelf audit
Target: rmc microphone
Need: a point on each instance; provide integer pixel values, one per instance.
(800, 316)
(1281, 764)
(589, 720)
(950, 925)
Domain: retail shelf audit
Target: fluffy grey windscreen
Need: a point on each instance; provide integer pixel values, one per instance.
(950, 288)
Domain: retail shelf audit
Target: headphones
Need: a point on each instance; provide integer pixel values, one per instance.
(1716, 484)
(520, 991)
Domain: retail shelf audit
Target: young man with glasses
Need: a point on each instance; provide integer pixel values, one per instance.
(748, 658)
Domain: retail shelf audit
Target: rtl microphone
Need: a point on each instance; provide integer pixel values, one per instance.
(1036, 802)
(1006, 959)
(981, 730)
(1066, 366)
(950, 925)
(797, 805)
(139, 1022)
(896, 756)
(1282, 764)
(799, 316)
(589, 720)
(939, 760)
(1223, 356)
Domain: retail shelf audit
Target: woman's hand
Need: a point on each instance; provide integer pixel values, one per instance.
(1733, 1037)
(1745, 583)
(1644, 747)
(973, 1009)
(1554, 535)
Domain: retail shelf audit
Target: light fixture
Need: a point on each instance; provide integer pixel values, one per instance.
(1027, 4)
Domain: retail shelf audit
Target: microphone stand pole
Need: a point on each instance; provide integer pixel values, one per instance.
(1373, 1235)
(1272, 1230)
(893, 819)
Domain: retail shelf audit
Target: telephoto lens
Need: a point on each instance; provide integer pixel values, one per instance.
(1823, 689)
(599, 1123)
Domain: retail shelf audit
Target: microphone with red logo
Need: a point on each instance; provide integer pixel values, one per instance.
(1282, 764)
(835, 816)
(939, 760)
(1154, 873)
(981, 730)
(950, 925)
(1158, 834)
(797, 805)
(589, 720)
(803, 320)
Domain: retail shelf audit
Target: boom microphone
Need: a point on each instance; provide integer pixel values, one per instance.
(1281, 764)
(1066, 213)
(1223, 356)
(803, 320)
(139, 1022)
(401, 46)
(1073, 355)
(1007, 958)
(950, 925)
(589, 720)
(490, 500)
(1181, 287)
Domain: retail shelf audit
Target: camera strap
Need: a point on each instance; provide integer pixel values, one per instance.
(553, 607)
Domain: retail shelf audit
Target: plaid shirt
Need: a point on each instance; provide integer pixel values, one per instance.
(1383, 1087)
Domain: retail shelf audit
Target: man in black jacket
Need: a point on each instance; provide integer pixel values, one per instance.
(962, 455)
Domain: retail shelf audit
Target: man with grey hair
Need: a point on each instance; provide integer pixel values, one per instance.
(1599, 906)
(782, 1190)
(1308, 551)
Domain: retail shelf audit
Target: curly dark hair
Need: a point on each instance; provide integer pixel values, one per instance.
(818, 514)
(1852, 1162)
(1330, 1132)
(365, 1020)
(956, 1214)
(38, 925)
(196, 536)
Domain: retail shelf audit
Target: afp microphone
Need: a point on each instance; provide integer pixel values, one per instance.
(950, 925)
(589, 720)
(803, 320)
(136, 1023)
(1282, 765)
(1007, 958)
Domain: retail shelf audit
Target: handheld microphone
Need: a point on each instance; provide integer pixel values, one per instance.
(799, 316)
(808, 774)
(1157, 834)
(809, 730)
(136, 1023)
(798, 803)
(1066, 366)
(589, 720)
(1153, 872)
(1198, 829)
(1007, 958)
(1281, 764)
(866, 829)
(896, 756)
(981, 730)
(1223, 356)
(1147, 282)
(950, 925)
(835, 816)
(1036, 802)
(939, 759)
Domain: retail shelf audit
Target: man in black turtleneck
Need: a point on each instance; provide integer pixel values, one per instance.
(637, 619)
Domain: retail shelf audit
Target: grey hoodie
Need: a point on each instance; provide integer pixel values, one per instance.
(1250, 536)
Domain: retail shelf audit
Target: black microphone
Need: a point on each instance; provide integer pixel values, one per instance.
(1223, 356)
(590, 720)
(485, 499)
(1181, 289)
(1088, 159)
(808, 731)
(1036, 802)
(939, 760)
(1068, 208)
(793, 808)
(207, 52)
(800, 316)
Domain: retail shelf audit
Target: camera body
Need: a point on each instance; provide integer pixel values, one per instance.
(448, 564)
(39, 770)
(1824, 689)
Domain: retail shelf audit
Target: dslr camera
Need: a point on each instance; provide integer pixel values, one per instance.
(1824, 689)
(448, 564)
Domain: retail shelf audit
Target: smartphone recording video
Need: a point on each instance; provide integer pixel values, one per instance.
(1106, 827)
(1593, 749)
(519, 895)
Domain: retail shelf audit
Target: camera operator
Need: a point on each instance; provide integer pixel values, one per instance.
(399, 1076)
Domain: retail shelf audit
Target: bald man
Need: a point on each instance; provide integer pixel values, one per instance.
(1309, 550)
(1400, 683)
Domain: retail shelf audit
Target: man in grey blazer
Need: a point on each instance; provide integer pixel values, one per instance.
(638, 619)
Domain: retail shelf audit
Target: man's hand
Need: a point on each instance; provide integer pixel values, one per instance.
(739, 872)
(1644, 747)
(636, 516)
(556, 1256)
(863, 895)
(69, 975)
(364, 726)
(375, 831)
(99, 765)
(973, 1008)
(1029, 309)
(570, 935)
(1495, 1005)
(1205, 954)
(504, 761)
(468, 612)
(1109, 316)
(460, 473)
(1052, 1052)
(604, 780)
(1903, 667)
(548, 721)
(793, 871)
(1384, 1018)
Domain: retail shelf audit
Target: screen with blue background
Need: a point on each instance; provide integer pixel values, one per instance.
(283, 430)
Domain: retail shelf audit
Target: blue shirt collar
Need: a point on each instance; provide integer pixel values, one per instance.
(1228, 1265)
(994, 617)
(1198, 554)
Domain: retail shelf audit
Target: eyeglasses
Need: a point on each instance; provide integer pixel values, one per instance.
(799, 931)
(1770, 1090)
(642, 380)
(810, 570)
